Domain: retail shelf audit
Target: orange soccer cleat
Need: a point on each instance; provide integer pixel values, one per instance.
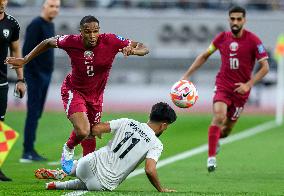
(56, 174)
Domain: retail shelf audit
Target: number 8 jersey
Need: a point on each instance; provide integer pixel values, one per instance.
(131, 144)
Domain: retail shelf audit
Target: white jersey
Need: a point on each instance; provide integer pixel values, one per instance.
(132, 143)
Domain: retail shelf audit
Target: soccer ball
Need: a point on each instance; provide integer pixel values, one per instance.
(184, 94)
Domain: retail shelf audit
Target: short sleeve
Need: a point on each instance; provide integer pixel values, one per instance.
(155, 152)
(260, 51)
(217, 40)
(16, 32)
(63, 41)
(118, 41)
(116, 124)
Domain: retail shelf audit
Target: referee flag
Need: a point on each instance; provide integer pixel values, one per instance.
(8, 137)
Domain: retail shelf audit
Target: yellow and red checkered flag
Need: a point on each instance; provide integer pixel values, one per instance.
(8, 137)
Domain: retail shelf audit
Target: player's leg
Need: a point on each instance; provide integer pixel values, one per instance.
(84, 172)
(94, 116)
(219, 116)
(67, 185)
(81, 130)
(75, 107)
(233, 114)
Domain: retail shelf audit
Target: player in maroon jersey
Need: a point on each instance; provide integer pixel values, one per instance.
(91, 55)
(239, 48)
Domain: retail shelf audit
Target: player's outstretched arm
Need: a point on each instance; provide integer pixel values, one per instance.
(135, 48)
(198, 62)
(41, 47)
(100, 128)
(151, 172)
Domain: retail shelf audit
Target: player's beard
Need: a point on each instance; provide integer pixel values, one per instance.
(236, 31)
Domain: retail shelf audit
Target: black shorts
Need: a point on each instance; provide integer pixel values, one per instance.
(3, 101)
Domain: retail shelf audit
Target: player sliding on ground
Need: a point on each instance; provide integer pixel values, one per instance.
(239, 49)
(132, 142)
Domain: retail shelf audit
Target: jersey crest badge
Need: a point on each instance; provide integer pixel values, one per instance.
(260, 49)
(88, 55)
(234, 46)
(6, 33)
(120, 38)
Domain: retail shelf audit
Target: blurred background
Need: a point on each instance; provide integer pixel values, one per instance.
(175, 31)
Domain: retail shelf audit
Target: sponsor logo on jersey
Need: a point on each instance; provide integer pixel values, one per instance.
(120, 38)
(88, 55)
(233, 54)
(6, 33)
(260, 49)
(234, 46)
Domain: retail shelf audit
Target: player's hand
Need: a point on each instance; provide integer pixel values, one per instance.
(20, 89)
(14, 62)
(127, 51)
(242, 88)
(165, 190)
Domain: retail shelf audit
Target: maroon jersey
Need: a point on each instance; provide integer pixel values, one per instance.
(90, 68)
(238, 57)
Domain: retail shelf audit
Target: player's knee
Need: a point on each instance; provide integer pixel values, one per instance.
(219, 118)
(82, 131)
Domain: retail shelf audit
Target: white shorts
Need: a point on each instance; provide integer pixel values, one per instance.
(85, 173)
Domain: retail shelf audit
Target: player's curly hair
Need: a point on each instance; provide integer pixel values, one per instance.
(88, 19)
(162, 112)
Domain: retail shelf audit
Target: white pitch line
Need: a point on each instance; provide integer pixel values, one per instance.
(203, 148)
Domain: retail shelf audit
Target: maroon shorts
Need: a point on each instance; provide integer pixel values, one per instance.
(234, 102)
(74, 102)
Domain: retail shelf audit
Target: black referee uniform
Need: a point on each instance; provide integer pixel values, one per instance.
(9, 32)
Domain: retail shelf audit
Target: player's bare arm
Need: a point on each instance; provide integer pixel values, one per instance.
(40, 48)
(15, 52)
(135, 48)
(198, 62)
(245, 87)
(151, 172)
(100, 128)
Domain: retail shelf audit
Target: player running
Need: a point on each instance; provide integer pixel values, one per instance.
(132, 143)
(91, 55)
(239, 48)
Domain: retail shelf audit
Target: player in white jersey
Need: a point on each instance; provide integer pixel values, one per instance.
(132, 143)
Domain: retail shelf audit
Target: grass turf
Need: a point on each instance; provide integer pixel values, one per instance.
(244, 172)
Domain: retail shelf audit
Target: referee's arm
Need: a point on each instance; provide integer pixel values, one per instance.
(16, 52)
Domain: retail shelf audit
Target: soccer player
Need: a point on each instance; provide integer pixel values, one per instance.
(38, 75)
(91, 55)
(9, 40)
(239, 48)
(132, 142)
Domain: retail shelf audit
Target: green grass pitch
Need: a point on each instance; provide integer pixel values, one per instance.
(252, 166)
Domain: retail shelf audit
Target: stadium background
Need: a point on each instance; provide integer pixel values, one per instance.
(175, 32)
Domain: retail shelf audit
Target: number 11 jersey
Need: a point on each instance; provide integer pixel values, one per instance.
(131, 144)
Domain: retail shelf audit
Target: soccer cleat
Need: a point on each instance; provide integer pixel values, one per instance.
(55, 174)
(67, 159)
(3, 177)
(211, 164)
(50, 186)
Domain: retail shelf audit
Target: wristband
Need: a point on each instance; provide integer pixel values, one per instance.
(21, 80)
